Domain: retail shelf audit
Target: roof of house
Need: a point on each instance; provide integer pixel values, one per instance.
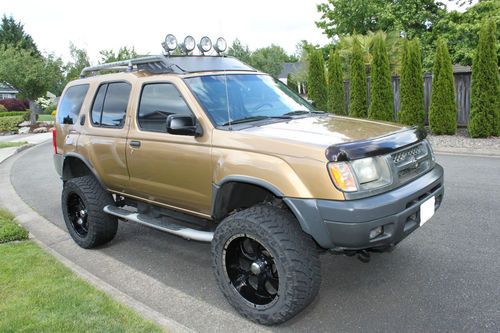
(7, 89)
(291, 68)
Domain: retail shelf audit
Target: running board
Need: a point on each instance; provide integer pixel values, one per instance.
(175, 229)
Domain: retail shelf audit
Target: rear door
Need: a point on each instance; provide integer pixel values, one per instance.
(173, 170)
(105, 136)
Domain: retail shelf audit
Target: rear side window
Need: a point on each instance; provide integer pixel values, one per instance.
(158, 101)
(71, 103)
(110, 104)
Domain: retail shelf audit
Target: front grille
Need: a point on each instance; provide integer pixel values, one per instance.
(411, 162)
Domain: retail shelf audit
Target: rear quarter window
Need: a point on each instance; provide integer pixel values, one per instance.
(71, 103)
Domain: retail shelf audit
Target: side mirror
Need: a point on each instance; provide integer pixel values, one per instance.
(179, 124)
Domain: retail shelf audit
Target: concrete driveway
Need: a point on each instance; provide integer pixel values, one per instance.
(444, 277)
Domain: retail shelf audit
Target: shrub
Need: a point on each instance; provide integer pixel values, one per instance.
(357, 84)
(485, 101)
(13, 113)
(49, 109)
(15, 104)
(412, 85)
(381, 99)
(3, 109)
(10, 123)
(443, 111)
(290, 82)
(316, 79)
(54, 113)
(336, 102)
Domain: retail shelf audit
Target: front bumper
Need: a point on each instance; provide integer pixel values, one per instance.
(346, 225)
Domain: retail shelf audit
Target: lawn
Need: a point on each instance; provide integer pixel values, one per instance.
(12, 144)
(9, 230)
(45, 117)
(39, 294)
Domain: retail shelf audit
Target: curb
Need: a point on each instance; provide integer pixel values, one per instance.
(467, 151)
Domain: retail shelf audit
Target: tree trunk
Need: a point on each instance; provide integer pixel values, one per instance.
(33, 111)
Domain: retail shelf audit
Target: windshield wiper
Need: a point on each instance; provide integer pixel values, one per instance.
(254, 118)
(301, 112)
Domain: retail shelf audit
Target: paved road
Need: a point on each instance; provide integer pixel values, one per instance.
(444, 277)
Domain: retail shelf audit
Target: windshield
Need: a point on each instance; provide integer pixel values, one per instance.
(237, 98)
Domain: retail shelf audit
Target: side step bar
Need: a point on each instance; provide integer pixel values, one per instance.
(178, 230)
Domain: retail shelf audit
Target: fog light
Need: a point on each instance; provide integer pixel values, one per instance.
(375, 232)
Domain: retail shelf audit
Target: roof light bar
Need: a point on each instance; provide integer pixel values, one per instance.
(188, 45)
(220, 45)
(170, 43)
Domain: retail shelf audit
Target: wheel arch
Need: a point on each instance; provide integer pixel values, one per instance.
(75, 165)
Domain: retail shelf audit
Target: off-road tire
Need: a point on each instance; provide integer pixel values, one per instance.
(102, 227)
(296, 256)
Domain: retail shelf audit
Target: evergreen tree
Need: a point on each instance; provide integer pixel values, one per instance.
(412, 85)
(12, 34)
(336, 103)
(485, 105)
(291, 83)
(381, 98)
(316, 80)
(357, 82)
(443, 111)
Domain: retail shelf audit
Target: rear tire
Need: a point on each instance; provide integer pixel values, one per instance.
(265, 265)
(83, 200)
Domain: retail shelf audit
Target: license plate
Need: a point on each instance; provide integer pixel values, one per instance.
(427, 210)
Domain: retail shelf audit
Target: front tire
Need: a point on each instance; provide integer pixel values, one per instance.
(83, 200)
(266, 266)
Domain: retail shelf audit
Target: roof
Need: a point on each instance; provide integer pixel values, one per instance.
(7, 89)
(161, 64)
(291, 68)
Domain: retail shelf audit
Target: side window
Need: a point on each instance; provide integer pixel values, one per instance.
(158, 101)
(110, 104)
(71, 103)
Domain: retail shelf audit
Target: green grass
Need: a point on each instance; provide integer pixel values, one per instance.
(45, 117)
(12, 144)
(9, 230)
(39, 294)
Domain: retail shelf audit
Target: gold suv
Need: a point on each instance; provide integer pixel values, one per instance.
(212, 150)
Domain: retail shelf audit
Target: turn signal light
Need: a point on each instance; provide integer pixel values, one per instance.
(342, 176)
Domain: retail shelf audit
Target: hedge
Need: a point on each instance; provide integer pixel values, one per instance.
(14, 104)
(381, 98)
(13, 113)
(357, 96)
(336, 103)
(10, 123)
(316, 80)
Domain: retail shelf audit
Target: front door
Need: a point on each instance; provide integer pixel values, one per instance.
(174, 170)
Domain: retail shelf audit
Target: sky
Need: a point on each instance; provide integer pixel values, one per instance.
(98, 25)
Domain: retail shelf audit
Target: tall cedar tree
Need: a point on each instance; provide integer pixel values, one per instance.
(485, 100)
(291, 83)
(357, 82)
(336, 102)
(412, 85)
(443, 111)
(381, 98)
(316, 81)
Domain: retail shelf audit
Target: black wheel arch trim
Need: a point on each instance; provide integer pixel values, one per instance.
(84, 161)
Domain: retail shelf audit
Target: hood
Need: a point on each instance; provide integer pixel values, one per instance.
(308, 136)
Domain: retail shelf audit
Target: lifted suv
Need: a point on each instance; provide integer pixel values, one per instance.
(209, 149)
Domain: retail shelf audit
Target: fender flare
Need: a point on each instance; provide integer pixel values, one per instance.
(84, 161)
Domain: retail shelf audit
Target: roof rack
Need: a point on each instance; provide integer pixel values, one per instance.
(159, 64)
(153, 64)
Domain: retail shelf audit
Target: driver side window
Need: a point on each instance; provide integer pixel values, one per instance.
(158, 101)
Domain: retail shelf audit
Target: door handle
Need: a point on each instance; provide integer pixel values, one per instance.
(135, 144)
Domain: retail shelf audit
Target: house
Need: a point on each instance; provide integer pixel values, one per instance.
(297, 70)
(7, 91)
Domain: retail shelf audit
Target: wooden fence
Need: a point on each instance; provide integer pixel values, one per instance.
(462, 95)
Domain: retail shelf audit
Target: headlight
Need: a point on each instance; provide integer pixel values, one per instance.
(170, 43)
(189, 44)
(220, 45)
(363, 174)
(205, 44)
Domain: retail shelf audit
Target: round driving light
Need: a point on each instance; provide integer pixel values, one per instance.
(170, 43)
(220, 45)
(189, 44)
(205, 44)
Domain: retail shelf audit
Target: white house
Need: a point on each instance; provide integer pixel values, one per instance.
(7, 91)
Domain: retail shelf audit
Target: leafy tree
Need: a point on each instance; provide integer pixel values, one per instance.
(381, 98)
(291, 83)
(12, 34)
(410, 17)
(443, 111)
(412, 85)
(124, 53)
(30, 74)
(336, 102)
(316, 81)
(485, 100)
(269, 59)
(239, 51)
(79, 60)
(357, 82)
